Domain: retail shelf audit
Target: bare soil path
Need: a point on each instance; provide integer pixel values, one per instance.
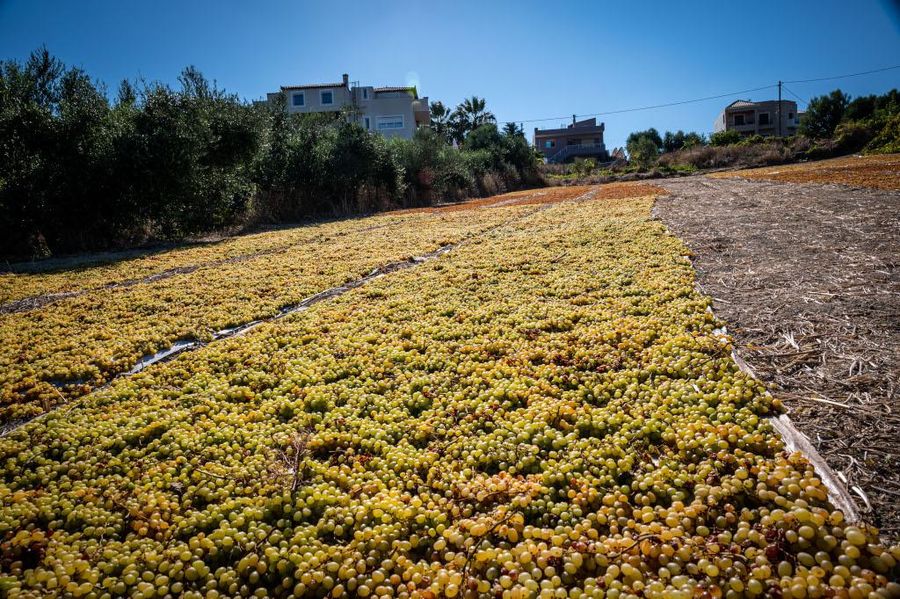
(807, 277)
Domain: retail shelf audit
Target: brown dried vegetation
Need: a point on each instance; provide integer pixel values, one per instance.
(807, 278)
(877, 171)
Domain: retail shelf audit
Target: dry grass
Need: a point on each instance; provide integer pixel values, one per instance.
(877, 171)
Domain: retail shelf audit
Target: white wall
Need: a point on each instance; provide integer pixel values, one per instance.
(376, 105)
(313, 101)
(389, 105)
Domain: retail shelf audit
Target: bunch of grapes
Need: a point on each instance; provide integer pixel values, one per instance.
(546, 412)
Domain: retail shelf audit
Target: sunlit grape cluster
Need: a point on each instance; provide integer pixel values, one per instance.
(543, 412)
(67, 348)
(63, 276)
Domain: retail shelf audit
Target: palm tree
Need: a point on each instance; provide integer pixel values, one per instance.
(475, 111)
(468, 116)
(512, 129)
(440, 119)
(458, 126)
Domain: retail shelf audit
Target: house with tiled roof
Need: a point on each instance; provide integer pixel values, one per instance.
(759, 118)
(393, 111)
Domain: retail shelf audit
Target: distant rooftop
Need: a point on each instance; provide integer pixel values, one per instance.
(751, 103)
(312, 86)
(399, 88)
(586, 125)
(738, 103)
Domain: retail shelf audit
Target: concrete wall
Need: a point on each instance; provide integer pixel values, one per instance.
(789, 118)
(570, 135)
(370, 105)
(313, 101)
(719, 125)
(389, 104)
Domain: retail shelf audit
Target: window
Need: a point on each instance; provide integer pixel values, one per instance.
(383, 123)
(763, 118)
(365, 93)
(738, 120)
(790, 116)
(327, 98)
(550, 143)
(366, 120)
(298, 99)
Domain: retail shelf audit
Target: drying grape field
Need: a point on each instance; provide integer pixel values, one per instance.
(524, 396)
(808, 278)
(874, 171)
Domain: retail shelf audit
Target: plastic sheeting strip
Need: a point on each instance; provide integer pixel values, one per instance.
(796, 441)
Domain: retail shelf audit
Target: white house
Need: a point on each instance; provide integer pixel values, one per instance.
(390, 111)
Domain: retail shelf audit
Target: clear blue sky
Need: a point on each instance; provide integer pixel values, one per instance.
(530, 59)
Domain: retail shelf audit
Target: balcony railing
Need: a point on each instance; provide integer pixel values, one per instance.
(577, 150)
(584, 146)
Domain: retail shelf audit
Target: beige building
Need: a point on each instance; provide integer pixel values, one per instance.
(390, 111)
(759, 118)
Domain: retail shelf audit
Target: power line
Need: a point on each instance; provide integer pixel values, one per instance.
(788, 90)
(704, 99)
(655, 106)
(845, 76)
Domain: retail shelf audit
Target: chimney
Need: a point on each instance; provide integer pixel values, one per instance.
(346, 79)
(573, 120)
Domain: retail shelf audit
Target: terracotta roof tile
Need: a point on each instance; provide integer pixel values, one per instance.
(739, 103)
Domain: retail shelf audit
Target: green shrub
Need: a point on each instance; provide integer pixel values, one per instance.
(431, 168)
(643, 147)
(853, 136)
(679, 140)
(725, 138)
(81, 173)
(583, 167)
(823, 114)
(78, 172)
(752, 140)
(188, 155)
(887, 141)
(478, 162)
(642, 151)
(651, 134)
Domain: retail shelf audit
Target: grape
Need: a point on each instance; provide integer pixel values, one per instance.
(544, 411)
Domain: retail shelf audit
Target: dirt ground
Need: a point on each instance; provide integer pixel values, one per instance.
(877, 171)
(807, 277)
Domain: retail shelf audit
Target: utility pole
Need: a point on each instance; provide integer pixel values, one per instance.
(779, 109)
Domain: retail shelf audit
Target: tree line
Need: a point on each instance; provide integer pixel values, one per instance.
(869, 123)
(834, 122)
(82, 171)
